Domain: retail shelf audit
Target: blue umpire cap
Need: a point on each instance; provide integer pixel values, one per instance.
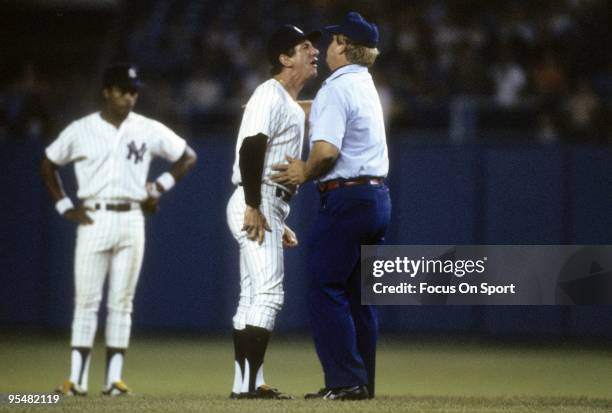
(124, 75)
(356, 28)
(285, 38)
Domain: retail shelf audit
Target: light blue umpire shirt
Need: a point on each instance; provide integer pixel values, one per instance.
(347, 113)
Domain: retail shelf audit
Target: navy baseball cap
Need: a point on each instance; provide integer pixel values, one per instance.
(356, 28)
(285, 38)
(124, 75)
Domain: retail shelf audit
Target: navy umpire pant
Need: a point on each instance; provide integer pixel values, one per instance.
(344, 331)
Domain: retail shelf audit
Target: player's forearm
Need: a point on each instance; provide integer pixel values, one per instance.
(52, 180)
(251, 159)
(185, 163)
(179, 169)
(322, 158)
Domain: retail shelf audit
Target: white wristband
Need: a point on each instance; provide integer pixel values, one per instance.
(64, 205)
(166, 180)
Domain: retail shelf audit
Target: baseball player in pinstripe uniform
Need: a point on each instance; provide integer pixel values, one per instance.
(272, 127)
(111, 151)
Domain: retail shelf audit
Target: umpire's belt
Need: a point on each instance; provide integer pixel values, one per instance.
(339, 183)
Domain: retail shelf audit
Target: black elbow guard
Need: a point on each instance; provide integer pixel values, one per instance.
(251, 160)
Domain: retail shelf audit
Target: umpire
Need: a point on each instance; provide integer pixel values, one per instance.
(349, 159)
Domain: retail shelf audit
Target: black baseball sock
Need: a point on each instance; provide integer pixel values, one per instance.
(114, 364)
(240, 338)
(256, 344)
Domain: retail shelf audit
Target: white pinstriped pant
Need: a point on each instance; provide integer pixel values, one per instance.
(261, 266)
(114, 245)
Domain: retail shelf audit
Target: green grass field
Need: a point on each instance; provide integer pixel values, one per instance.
(195, 374)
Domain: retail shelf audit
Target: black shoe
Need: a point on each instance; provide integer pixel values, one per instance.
(347, 393)
(234, 396)
(318, 395)
(265, 392)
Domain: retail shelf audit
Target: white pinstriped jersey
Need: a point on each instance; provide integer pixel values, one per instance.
(113, 163)
(273, 112)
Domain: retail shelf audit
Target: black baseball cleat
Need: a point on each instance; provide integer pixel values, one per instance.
(317, 395)
(234, 396)
(265, 392)
(340, 393)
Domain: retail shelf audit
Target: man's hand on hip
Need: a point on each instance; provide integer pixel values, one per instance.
(150, 205)
(79, 215)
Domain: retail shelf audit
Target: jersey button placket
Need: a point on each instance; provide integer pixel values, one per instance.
(116, 156)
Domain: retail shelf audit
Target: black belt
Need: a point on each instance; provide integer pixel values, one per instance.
(339, 183)
(114, 207)
(282, 194)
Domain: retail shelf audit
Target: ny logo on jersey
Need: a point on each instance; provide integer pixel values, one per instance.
(138, 153)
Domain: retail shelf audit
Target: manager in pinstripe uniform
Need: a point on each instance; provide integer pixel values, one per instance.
(111, 151)
(349, 159)
(272, 127)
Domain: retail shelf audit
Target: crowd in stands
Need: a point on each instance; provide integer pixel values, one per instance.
(540, 69)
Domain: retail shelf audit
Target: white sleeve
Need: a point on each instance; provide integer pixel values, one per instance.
(262, 112)
(168, 145)
(62, 150)
(328, 117)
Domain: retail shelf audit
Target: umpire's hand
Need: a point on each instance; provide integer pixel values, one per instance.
(292, 173)
(255, 224)
(79, 215)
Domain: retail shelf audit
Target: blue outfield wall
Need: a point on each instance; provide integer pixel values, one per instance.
(446, 194)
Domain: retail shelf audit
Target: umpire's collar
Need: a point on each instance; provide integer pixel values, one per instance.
(344, 70)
